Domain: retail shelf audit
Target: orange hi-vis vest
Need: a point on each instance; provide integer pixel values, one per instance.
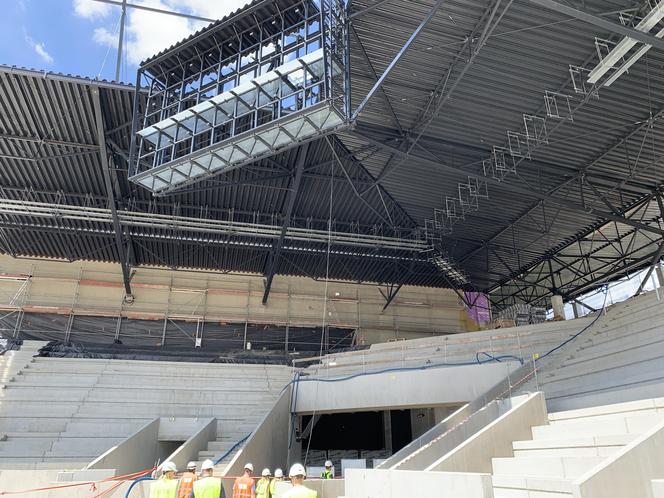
(243, 487)
(186, 484)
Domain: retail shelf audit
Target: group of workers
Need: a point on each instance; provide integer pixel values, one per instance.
(190, 485)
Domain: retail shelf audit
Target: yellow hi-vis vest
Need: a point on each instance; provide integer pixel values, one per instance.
(300, 492)
(164, 488)
(263, 488)
(208, 487)
(273, 486)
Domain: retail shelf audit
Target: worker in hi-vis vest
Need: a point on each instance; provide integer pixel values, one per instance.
(187, 481)
(278, 477)
(263, 484)
(328, 473)
(297, 476)
(167, 485)
(208, 486)
(244, 485)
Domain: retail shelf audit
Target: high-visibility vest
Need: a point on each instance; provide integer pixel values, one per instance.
(208, 487)
(186, 484)
(327, 474)
(263, 488)
(242, 487)
(273, 485)
(300, 492)
(164, 488)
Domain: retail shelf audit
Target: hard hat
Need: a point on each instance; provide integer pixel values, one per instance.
(278, 473)
(207, 465)
(328, 463)
(297, 470)
(191, 465)
(266, 472)
(249, 467)
(168, 467)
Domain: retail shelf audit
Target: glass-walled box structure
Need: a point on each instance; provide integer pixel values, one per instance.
(264, 79)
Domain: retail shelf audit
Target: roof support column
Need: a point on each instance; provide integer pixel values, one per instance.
(275, 254)
(110, 194)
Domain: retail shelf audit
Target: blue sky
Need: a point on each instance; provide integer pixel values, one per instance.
(80, 36)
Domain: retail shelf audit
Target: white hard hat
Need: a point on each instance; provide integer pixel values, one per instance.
(169, 467)
(297, 470)
(249, 467)
(328, 463)
(266, 472)
(191, 465)
(278, 473)
(207, 465)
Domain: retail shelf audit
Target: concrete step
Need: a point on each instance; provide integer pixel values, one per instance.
(607, 426)
(573, 447)
(630, 360)
(43, 463)
(73, 445)
(604, 383)
(625, 409)
(613, 394)
(557, 467)
(16, 392)
(508, 486)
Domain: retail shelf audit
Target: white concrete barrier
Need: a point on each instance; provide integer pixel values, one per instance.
(629, 472)
(407, 483)
(137, 452)
(475, 454)
(435, 386)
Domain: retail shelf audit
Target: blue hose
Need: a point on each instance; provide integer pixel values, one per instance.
(136, 481)
(233, 448)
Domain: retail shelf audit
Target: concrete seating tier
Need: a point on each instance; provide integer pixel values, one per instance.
(520, 342)
(63, 413)
(574, 443)
(619, 359)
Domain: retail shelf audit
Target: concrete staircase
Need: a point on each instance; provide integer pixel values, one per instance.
(63, 413)
(573, 444)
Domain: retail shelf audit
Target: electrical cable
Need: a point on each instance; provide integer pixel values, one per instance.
(571, 338)
(232, 449)
(325, 324)
(103, 62)
(136, 481)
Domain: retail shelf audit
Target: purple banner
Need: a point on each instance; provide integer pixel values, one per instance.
(478, 309)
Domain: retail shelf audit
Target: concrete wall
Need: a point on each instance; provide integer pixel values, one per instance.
(423, 388)
(404, 483)
(495, 440)
(629, 472)
(138, 452)
(327, 488)
(20, 480)
(196, 443)
(268, 444)
(90, 288)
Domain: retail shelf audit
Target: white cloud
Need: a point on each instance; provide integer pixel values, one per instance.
(102, 36)
(40, 49)
(90, 9)
(148, 33)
